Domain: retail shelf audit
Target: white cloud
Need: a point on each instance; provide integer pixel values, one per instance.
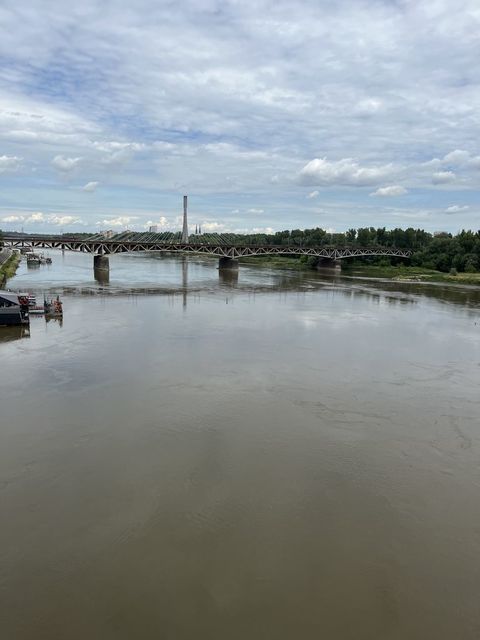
(443, 177)
(9, 163)
(255, 211)
(393, 190)
(456, 208)
(64, 164)
(342, 172)
(161, 223)
(118, 153)
(213, 227)
(266, 230)
(37, 217)
(121, 221)
(13, 219)
(64, 221)
(313, 194)
(90, 186)
(457, 157)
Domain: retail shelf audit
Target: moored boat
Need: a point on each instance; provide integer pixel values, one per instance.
(13, 309)
(53, 308)
(33, 260)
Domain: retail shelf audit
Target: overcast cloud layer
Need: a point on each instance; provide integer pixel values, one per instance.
(270, 115)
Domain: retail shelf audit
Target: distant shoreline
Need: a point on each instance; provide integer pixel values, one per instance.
(399, 273)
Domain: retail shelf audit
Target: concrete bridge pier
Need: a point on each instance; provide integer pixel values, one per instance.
(101, 276)
(228, 263)
(101, 262)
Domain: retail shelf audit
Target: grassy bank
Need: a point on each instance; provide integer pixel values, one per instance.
(9, 268)
(411, 274)
(398, 272)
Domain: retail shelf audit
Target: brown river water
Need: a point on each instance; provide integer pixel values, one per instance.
(285, 455)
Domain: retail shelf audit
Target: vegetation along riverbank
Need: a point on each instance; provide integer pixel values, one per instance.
(8, 268)
(440, 257)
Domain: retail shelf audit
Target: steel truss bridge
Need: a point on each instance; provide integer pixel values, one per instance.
(232, 251)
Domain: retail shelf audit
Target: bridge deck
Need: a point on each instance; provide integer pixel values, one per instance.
(120, 244)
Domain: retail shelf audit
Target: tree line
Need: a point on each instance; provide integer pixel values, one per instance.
(440, 251)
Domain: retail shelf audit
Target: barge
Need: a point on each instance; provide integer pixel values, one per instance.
(13, 309)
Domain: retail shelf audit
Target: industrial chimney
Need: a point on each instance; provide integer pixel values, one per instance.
(185, 222)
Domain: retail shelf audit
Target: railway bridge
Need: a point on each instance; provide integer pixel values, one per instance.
(228, 249)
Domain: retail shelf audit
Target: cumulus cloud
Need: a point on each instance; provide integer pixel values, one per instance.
(12, 219)
(120, 221)
(210, 226)
(393, 190)
(118, 153)
(9, 163)
(313, 194)
(63, 164)
(443, 177)
(266, 230)
(64, 221)
(456, 208)
(457, 157)
(342, 172)
(161, 223)
(90, 187)
(461, 158)
(228, 117)
(38, 217)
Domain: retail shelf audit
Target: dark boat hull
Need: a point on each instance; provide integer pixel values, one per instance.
(12, 317)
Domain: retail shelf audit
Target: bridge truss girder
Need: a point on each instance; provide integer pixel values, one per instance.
(222, 251)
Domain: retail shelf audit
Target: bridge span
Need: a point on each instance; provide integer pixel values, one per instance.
(228, 253)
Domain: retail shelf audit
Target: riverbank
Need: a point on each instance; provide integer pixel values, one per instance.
(411, 274)
(399, 272)
(8, 268)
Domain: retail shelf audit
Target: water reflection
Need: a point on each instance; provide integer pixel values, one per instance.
(228, 277)
(8, 334)
(185, 280)
(102, 276)
(71, 274)
(58, 321)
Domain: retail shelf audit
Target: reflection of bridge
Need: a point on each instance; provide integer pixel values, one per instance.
(228, 252)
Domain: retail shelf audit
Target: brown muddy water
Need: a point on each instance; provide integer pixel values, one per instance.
(286, 455)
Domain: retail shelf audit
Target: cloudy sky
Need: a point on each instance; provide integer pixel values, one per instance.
(268, 114)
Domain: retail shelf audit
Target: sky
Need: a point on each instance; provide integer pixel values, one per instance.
(269, 114)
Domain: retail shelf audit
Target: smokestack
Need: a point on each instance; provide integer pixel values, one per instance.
(185, 222)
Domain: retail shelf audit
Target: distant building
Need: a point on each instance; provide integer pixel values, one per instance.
(153, 228)
(107, 234)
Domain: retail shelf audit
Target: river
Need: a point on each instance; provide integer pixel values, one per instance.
(285, 455)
